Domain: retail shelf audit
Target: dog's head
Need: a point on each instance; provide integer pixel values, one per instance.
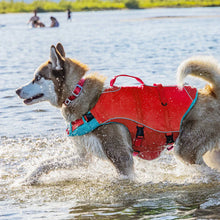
(53, 80)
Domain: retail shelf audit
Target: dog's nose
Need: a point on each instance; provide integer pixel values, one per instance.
(18, 91)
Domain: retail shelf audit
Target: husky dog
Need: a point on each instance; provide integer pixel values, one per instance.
(55, 80)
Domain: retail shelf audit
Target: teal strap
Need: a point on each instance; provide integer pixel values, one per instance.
(190, 107)
(84, 128)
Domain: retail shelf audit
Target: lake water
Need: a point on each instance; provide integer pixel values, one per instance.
(149, 44)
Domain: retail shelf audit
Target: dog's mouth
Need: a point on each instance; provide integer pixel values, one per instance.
(29, 100)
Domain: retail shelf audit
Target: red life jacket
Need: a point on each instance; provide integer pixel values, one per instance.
(152, 114)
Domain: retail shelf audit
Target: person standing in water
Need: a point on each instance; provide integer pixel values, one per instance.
(34, 19)
(69, 15)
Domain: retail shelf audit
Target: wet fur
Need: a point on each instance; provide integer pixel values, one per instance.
(198, 134)
(199, 131)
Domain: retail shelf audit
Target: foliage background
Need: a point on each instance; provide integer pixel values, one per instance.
(9, 6)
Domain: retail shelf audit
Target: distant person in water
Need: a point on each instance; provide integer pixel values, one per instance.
(34, 18)
(69, 15)
(54, 22)
(38, 24)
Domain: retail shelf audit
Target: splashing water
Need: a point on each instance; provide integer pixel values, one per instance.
(21, 156)
(97, 184)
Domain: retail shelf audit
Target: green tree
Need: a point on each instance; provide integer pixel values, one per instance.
(132, 4)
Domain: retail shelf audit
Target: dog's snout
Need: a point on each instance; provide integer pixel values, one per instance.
(18, 92)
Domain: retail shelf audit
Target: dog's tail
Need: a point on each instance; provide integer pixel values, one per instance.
(204, 67)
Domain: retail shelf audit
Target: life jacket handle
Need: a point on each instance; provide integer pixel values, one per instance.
(112, 82)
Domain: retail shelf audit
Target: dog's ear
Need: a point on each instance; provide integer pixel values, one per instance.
(56, 59)
(60, 48)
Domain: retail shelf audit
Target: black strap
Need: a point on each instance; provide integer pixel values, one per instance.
(140, 131)
(88, 116)
(169, 138)
(139, 136)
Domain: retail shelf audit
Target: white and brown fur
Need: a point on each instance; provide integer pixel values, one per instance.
(200, 129)
(55, 80)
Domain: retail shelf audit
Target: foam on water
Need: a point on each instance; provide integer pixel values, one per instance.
(21, 156)
(96, 190)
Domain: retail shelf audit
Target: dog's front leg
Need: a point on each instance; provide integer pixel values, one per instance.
(117, 148)
(55, 164)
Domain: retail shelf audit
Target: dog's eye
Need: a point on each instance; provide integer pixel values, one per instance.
(38, 78)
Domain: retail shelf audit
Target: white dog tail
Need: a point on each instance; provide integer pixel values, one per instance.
(204, 67)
